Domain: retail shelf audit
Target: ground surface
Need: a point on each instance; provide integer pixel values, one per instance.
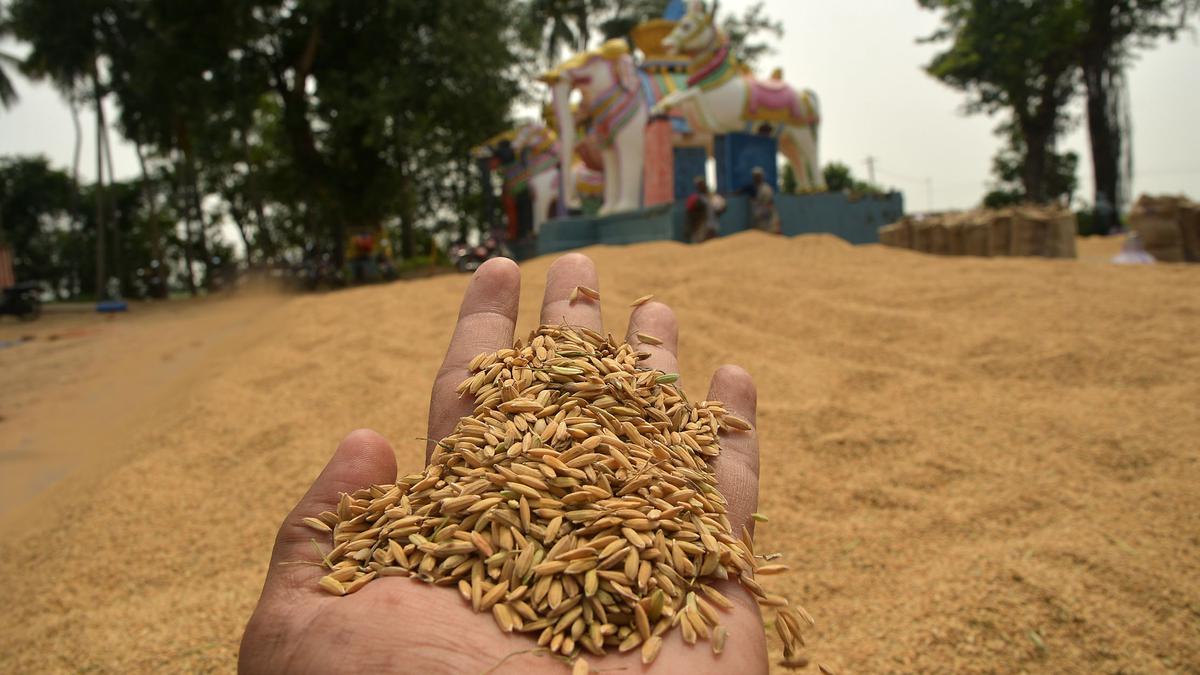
(973, 465)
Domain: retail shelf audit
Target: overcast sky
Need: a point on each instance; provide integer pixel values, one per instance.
(862, 59)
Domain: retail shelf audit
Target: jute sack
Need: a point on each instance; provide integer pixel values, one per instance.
(1189, 229)
(1060, 242)
(922, 232)
(939, 238)
(898, 234)
(1157, 222)
(977, 234)
(904, 233)
(889, 235)
(954, 235)
(1000, 224)
(1029, 233)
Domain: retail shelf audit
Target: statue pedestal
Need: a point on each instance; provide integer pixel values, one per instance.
(659, 187)
(690, 164)
(855, 220)
(737, 156)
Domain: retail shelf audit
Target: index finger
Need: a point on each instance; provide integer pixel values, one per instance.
(486, 322)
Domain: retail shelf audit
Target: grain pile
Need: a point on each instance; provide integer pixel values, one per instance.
(576, 504)
(972, 465)
(1025, 231)
(1169, 227)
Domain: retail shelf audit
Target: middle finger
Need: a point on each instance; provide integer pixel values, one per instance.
(565, 275)
(654, 330)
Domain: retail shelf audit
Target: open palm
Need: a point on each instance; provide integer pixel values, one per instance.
(399, 624)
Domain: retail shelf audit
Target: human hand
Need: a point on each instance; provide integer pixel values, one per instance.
(397, 624)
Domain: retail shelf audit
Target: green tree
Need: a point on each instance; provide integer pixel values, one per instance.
(35, 210)
(1108, 36)
(1012, 57)
(383, 125)
(66, 39)
(550, 26)
(626, 15)
(840, 178)
(746, 33)
(298, 121)
(789, 184)
(553, 25)
(8, 92)
(176, 71)
(40, 209)
(1008, 164)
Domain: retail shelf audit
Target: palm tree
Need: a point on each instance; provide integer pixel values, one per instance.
(8, 93)
(565, 22)
(65, 50)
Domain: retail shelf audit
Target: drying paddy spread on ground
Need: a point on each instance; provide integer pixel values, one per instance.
(971, 465)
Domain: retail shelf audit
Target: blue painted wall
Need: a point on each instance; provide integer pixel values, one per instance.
(690, 164)
(857, 221)
(737, 156)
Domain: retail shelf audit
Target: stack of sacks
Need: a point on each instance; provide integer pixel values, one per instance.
(1189, 224)
(1168, 226)
(1042, 232)
(977, 234)
(1047, 232)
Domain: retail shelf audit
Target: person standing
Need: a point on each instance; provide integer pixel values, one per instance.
(702, 211)
(763, 215)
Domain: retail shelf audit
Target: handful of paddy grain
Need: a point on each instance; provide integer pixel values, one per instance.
(576, 504)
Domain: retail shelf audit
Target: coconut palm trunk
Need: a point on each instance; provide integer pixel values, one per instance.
(101, 259)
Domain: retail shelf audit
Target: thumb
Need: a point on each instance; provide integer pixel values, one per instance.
(362, 459)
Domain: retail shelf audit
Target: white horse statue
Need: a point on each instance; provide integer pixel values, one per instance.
(723, 97)
(617, 115)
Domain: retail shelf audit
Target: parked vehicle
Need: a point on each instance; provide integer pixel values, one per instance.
(467, 258)
(316, 272)
(22, 301)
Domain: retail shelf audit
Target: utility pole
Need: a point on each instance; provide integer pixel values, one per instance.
(871, 169)
(929, 195)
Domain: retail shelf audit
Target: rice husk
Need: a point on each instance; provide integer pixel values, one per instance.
(577, 504)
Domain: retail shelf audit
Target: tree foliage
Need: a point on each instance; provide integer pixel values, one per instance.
(1108, 36)
(840, 178)
(8, 64)
(1007, 170)
(52, 232)
(34, 201)
(1030, 59)
(750, 32)
(1009, 56)
(299, 122)
(552, 26)
(293, 123)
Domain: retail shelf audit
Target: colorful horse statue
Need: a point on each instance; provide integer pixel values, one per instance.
(723, 97)
(617, 113)
(533, 166)
(536, 169)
